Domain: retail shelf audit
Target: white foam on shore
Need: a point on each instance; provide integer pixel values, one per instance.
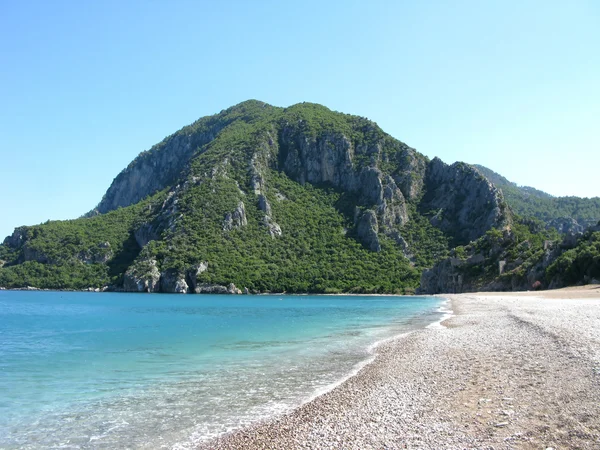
(371, 349)
(447, 312)
(280, 409)
(444, 308)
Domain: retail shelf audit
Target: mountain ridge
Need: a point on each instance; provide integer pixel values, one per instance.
(568, 214)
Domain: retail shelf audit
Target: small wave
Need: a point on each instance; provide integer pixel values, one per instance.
(447, 312)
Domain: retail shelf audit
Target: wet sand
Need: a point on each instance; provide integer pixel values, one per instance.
(508, 370)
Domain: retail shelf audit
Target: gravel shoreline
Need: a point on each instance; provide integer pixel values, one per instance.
(506, 371)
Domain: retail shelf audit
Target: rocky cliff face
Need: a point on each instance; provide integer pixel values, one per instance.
(235, 219)
(462, 202)
(565, 214)
(161, 166)
(333, 159)
(143, 277)
(490, 269)
(151, 172)
(367, 229)
(567, 225)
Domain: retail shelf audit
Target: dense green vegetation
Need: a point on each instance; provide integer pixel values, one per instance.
(71, 254)
(526, 256)
(428, 243)
(316, 252)
(529, 202)
(579, 264)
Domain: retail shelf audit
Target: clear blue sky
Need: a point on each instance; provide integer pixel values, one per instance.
(86, 86)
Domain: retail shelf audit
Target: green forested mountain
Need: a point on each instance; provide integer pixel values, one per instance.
(298, 199)
(258, 198)
(566, 214)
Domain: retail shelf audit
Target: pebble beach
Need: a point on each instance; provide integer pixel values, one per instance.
(506, 370)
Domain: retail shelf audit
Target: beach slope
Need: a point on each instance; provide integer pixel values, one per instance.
(508, 370)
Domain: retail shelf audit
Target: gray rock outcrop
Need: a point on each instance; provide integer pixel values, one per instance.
(194, 273)
(367, 229)
(504, 266)
(272, 227)
(158, 167)
(443, 278)
(566, 225)
(31, 253)
(100, 254)
(259, 164)
(392, 207)
(264, 205)
(17, 239)
(410, 176)
(217, 289)
(317, 160)
(465, 204)
(171, 281)
(143, 276)
(331, 158)
(235, 219)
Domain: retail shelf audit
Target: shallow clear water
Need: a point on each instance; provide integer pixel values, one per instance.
(86, 370)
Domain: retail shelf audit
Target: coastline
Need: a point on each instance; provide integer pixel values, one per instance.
(505, 370)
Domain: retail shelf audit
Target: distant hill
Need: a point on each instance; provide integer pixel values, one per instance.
(566, 214)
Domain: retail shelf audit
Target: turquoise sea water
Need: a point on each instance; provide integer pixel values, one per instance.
(86, 370)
